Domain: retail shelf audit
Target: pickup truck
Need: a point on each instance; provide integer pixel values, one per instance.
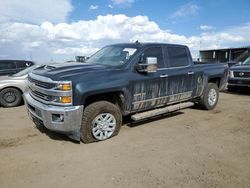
(88, 101)
(239, 76)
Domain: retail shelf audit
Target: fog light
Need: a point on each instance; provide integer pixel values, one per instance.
(57, 117)
(65, 99)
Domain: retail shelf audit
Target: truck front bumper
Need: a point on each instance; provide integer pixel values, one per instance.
(65, 120)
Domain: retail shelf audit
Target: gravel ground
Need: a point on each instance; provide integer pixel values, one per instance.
(191, 148)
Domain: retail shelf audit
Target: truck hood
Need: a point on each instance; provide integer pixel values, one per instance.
(62, 71)
(240, 68)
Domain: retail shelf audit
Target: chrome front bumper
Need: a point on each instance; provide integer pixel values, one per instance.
(65, 120)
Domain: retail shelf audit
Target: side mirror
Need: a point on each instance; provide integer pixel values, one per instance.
(149, 66)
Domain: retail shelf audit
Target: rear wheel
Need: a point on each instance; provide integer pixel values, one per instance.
(101, 120)
(10, 97)
(210, 97)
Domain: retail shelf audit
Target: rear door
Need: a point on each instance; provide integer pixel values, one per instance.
(7, 67)
(180, 73)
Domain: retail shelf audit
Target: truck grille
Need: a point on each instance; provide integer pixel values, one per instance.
(239, 82)
(48, 91)
(42, 84)
(40, 95)
(242, 74)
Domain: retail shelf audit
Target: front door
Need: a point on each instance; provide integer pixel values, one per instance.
(148, 89)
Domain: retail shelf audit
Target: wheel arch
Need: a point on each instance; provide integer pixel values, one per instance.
(14, 87)
(115, 97)
(216, 80)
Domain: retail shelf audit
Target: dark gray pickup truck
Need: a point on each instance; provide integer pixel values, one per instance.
(239, 76)
(87, 101)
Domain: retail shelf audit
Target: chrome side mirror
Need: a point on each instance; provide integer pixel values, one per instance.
(149, 66)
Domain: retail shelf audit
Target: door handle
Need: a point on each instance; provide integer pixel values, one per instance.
(163, 75)
(190, 72)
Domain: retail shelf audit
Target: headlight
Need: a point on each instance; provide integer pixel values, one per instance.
(64, 86)
(62, 99)
(66, 99)
(231, 74)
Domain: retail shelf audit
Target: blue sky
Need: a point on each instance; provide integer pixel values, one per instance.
(58, 30)
(220, 14)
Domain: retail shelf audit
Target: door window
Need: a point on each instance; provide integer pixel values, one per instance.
(7, 65)
(178, 57)
(155, 52)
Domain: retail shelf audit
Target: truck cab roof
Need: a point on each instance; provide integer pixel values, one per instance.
(146, 44)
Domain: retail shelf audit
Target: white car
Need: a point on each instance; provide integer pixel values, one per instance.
(13, 86)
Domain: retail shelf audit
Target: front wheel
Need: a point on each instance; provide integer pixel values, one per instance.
(101, 120)
(10, 97)
(210, 97)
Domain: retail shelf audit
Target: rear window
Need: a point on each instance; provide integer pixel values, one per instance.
(178, 57)
(7, 65)
(23, 64)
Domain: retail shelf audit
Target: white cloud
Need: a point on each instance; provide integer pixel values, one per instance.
(206, 27)
(93, 7)
(188, 9)
(36, 12)
(63, 41)
(123, 3)
(110, 6)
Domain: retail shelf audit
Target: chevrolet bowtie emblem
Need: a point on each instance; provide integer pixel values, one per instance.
(241, 73)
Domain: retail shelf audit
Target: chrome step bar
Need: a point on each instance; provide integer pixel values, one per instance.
(159, 111)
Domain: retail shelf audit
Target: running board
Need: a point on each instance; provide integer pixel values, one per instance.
(159, 111)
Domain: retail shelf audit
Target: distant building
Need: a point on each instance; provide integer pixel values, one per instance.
(226, 55)
(81, 59)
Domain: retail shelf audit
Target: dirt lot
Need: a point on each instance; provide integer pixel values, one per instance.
(192, 148)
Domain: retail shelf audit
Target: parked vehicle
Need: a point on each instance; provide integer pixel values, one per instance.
(88, 100)
(12, 87)
(239, 75)
(8, 67)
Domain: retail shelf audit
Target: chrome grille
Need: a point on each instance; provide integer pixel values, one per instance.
(239, 82)
(242, 74)
(40, 95)
(42, 84)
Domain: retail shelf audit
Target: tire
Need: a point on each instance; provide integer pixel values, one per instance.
(94, 126)
(10, 97)
(210, 97)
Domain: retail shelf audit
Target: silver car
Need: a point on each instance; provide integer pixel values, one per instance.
(12, 87)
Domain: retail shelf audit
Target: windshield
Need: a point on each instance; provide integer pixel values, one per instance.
(25, 71)
(247, 61)
(112, 55)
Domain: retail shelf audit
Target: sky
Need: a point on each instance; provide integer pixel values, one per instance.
(58, 30)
